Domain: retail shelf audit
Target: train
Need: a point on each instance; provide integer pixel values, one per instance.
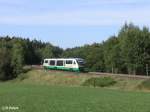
(66, 64)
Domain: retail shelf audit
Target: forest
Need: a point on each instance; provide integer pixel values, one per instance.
(128, 52)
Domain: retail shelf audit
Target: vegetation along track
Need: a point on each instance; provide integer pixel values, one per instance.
(102, 74)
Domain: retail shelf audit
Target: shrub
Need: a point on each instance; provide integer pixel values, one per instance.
(99, 82)
(22, 77)
(145, 84)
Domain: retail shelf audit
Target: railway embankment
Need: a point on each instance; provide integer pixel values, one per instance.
(65, 78)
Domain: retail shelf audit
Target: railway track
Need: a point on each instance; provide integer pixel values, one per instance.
(121, 75)
(102, 74)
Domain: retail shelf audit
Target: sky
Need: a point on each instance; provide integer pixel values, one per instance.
(70, 23)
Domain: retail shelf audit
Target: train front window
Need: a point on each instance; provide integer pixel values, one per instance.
(80, 62)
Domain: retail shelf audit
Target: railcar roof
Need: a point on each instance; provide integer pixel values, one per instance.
(64, 58)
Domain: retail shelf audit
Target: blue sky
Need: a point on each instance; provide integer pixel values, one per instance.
(70, 23)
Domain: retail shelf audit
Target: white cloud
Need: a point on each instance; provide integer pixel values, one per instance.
(81, 17)
(85, 17)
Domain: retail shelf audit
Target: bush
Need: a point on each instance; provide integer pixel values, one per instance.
(99, 82)
(145, 84)
(22, 77)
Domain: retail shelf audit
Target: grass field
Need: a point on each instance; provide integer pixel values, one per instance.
(40, 98)
(38, 91)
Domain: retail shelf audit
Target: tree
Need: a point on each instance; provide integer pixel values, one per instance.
(112, 56)
(17, 60)
(133, 48)
(6, 70)
(47, 51)
(94, 58)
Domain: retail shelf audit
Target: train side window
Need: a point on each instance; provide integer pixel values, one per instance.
(52, 62)
(46, 61)
(68, 61)
(74, 62)
(60, 63)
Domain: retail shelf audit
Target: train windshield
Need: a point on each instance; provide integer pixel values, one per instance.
(81, 62)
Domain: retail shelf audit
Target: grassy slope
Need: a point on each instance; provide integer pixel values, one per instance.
(43, 77)
(69, 78)
(40, 98)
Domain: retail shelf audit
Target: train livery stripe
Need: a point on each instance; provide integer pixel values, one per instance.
(61, 68)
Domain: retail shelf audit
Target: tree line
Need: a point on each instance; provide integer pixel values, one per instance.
(128, 52)
(16, 52)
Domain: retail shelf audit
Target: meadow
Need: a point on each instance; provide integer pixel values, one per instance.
(29, 95)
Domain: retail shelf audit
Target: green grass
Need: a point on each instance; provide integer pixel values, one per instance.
(44, 98)
(56, 91)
